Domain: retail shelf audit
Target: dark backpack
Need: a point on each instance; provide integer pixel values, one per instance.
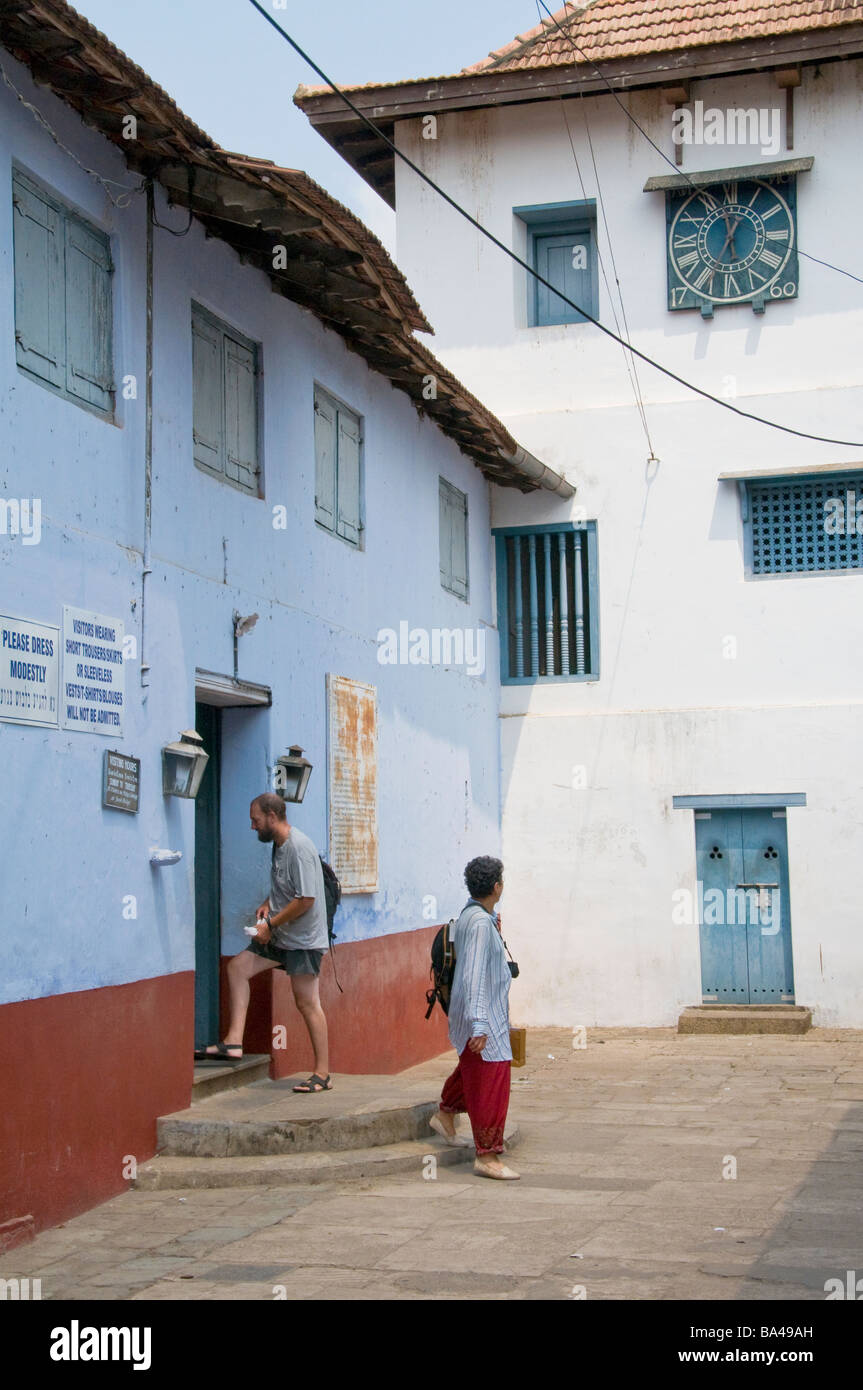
(332, 897)
(442, 968)
(332, 894)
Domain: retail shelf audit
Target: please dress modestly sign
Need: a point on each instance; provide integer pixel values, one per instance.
(29, 672)
(94, 676)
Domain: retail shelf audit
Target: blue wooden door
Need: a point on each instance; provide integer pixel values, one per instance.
(208, 906)
(744, 906)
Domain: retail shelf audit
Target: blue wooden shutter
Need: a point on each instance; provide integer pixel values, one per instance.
(89, 374)
(39, 304)
(348, 477)
(208, 426)
(445, 513)
(241, 428)
(325, 461)
(554, 262)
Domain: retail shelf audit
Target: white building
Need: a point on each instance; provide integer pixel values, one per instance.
(711, 736)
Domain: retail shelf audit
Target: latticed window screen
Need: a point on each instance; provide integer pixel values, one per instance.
(548, 605)
(806, 525)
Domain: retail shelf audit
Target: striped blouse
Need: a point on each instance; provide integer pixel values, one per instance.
(479, 998)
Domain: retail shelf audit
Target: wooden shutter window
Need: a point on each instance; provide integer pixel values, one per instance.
(338, 468)
(224, 402)
(241, 433)
(207, 393)
(39, 302)
(348, 477)
(453, 539)
(555, 262)
(353, 779)
(325, 461)
(89, 330)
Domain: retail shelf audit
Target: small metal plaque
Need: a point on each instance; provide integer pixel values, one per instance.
(121, 780)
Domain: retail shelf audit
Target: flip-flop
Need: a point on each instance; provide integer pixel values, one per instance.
(225, 1052)
(314, 1085)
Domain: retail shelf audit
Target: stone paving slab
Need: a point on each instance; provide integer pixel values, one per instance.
(622, 1155)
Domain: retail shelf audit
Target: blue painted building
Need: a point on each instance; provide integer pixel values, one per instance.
(264, 515)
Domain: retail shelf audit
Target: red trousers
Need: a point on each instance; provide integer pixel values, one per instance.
(482, 1089)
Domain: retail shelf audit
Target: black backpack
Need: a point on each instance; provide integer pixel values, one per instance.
(332, 894)
(332, 897)
(442, 968)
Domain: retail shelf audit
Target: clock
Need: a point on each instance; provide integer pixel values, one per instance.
(733, 242)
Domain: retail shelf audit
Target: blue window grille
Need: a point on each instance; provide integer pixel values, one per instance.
(562, 248)
(804, 525)
(548, 602)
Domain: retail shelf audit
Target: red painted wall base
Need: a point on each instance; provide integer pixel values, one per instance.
(89, 1073)
(92, 1071)
(377, 1026)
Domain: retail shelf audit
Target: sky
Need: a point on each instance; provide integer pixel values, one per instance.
(228, 70)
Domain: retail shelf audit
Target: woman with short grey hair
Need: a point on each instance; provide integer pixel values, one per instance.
(479, 1024)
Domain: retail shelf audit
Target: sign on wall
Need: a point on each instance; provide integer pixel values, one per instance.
(29, 672)
(353, 783)
(121, 781)
(94, 677)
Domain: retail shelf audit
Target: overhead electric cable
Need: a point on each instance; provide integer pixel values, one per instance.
(680, 172)
(666, 371)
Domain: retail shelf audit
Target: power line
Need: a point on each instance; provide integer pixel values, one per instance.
(666, 371)
(680, 172)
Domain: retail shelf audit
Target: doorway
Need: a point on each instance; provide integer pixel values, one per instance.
(744, 907)
(208, 900)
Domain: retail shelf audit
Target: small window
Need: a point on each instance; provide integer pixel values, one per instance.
(548, 603)
(561, 247)
(453, 539)
(225, 402)
(338, 468)
(804, 525)
(63, 299)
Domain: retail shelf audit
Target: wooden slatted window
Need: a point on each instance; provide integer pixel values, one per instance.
(562, 247)
(548, 603)
(338, 468)
(225, 427)
(353, 783)
(63, 298)
(453, 539)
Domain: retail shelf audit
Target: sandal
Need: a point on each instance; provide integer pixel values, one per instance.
(314, 1084)
(226, 1052)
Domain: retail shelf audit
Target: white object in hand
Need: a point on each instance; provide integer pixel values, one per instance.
(252, 931)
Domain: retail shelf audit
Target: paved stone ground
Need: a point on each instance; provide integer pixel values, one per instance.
(624, 1145)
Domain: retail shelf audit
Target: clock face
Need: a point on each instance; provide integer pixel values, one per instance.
(732, 243)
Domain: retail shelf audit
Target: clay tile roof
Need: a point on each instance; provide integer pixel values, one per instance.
(606, 29)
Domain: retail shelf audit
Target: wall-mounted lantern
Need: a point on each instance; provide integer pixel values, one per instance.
(183, 765)
(292, 774)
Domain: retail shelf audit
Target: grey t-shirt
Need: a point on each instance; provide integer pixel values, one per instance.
(296, 873)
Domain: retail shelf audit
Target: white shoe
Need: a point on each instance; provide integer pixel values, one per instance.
(503, 1174)
(455, 1141)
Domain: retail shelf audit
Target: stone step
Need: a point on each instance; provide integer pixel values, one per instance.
(745, 1018)
(212, 1077)
(283, 1170)
(200, 1133)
